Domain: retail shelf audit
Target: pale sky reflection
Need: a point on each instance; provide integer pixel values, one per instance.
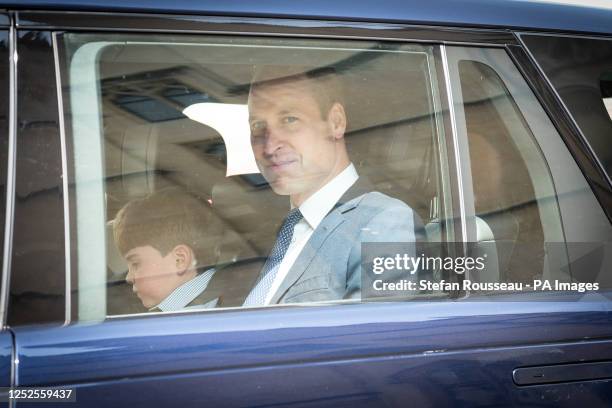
(232, 123)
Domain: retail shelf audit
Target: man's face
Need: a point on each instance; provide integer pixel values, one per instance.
(152, 276)
(297, 150)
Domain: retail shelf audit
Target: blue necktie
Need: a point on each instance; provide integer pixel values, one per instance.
(260, 291)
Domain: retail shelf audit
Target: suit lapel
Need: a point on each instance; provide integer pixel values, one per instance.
(347, 202)
(329, 223)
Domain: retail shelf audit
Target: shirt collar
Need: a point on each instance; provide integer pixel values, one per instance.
(186, 293)
(318, 205)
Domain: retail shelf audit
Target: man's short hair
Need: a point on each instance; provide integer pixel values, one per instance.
(164, 220)
(324, 81)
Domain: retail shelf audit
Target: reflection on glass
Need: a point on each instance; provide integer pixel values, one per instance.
(232, 123)
(175, 115)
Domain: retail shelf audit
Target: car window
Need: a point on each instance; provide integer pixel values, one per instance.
(502, 152)
(579, 70)
(194, 154)
(524, 185)
(209, 119)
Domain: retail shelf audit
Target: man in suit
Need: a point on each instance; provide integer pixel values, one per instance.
(298, 121)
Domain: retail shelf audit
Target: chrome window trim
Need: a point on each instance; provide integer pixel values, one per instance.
(456, 147)
(10, 177)
(585, 140)
(10, 201)
(65, 197)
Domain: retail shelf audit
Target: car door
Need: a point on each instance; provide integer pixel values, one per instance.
(107, 121)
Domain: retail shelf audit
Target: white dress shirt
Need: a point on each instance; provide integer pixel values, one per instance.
(314, 209)
(186, 293)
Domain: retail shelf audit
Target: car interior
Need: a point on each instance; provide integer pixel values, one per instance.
(149, 144)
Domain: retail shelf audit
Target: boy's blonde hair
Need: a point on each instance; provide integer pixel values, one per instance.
(164, 220)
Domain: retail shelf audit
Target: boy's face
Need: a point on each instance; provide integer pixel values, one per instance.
(152, 276)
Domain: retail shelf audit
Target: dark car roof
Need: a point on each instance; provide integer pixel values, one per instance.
(522, 14)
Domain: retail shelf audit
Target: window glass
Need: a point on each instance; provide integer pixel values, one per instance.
(579, 68)
(38, 264)
(504, 195)
(214, 140)
(531, 206)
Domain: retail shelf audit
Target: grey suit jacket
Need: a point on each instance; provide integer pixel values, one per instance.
(329, 266)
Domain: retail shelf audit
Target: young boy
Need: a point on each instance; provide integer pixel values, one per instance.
(164, 238)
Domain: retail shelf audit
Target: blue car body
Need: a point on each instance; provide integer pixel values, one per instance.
(438, 354)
